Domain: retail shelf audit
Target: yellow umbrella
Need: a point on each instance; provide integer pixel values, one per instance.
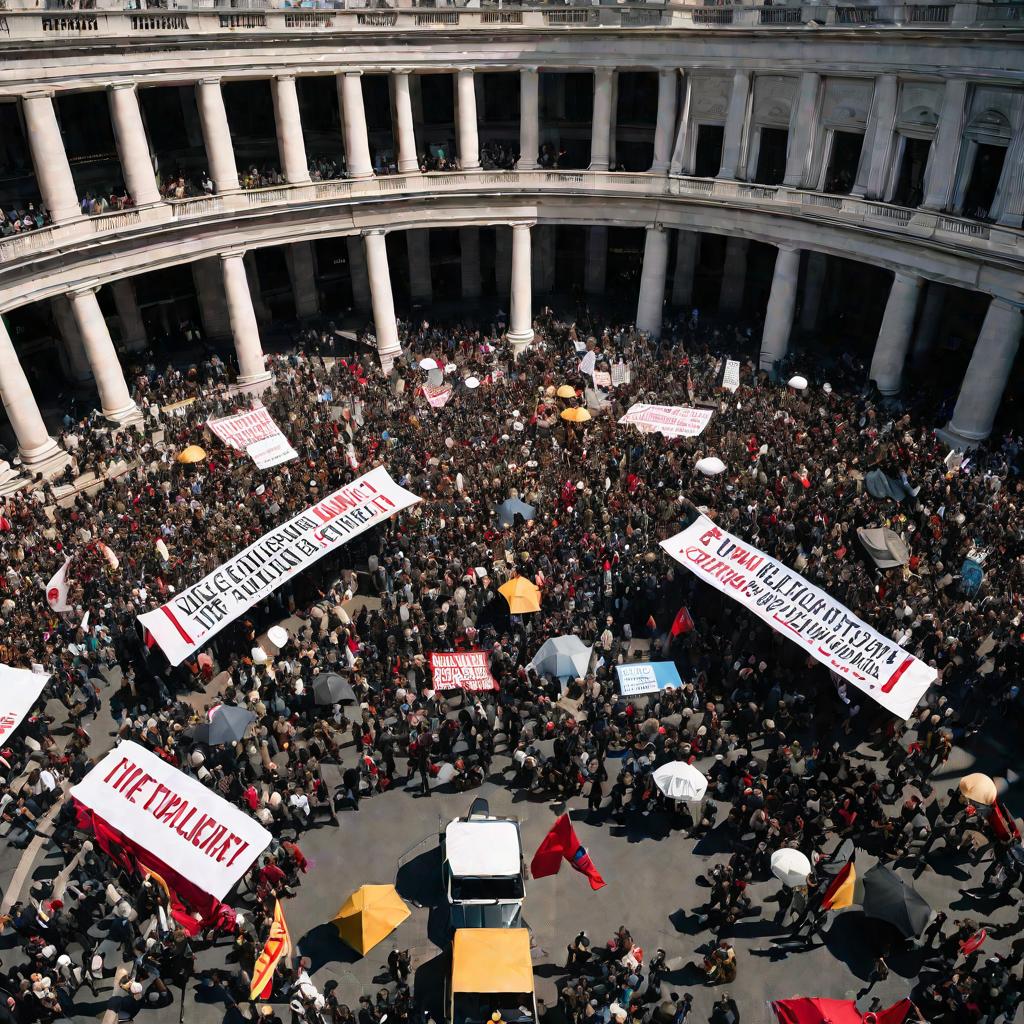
(979, 788)
(522, 596)
(193, 453)
(577, 414)
(370, 914)
(566, 391)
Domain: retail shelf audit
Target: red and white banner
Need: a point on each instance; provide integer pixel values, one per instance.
(198, 613)
(437, 394)
(255, 433)
(19, 690)
(188, 827)
(670, 420)
(804, 614)
(57, 588)
(465, 670)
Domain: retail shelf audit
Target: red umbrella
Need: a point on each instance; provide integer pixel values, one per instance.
(807, 1010)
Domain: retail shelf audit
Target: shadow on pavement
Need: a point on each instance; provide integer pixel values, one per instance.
(419, 880)
(323, 946)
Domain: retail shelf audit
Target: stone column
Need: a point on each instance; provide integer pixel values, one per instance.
(408, 159)
(421, 287)
(357, 142)
(895, 333)
(132, 144)
(217, 135)
(384, 322)
(529, 119)
(803, 130)
(39, 452)
(735, 127)
(252, 273)
(734, 276)
(71, 341)
(595, 273)
(814, 288)
(520, 328)
(687, 249)
(115, 400)
(503, 258)
(133, 330)
(651, 304)
(469, 140)
(873, 171)
(778, 317)
(678, 163)
(664, 129)
(987, 374)
(928, 324)
(302, 271)
(469, 255)
(601, 127)
(944, 155)
(252, 367)
(291, 146)
(53, 172)
(213, 310)
(357, 273)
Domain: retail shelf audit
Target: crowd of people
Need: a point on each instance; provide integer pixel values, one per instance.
(792, 758)
(19, 219)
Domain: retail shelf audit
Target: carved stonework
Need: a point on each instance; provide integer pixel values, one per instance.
(846, 102)
(991, 114)
(773, 99)
(709, 97)
(919, 105)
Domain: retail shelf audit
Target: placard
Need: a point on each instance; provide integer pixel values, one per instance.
(670, 420)
(640, 677)
(462, 670)
(255, 433)
(731, 376)
(437, 394)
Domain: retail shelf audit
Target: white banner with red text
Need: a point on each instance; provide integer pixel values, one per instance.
(437, 394)
(462, 670)
(19, 690)
(804, 614)
(670, 420)
(176, 818)
(197, 614)
(255, 433)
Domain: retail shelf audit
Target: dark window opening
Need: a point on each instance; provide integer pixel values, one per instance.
(910, 182)
(708, 158)
(843, 162)
(771, 156)
(985, 174)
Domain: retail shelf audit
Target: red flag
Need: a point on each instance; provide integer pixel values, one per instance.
(682, 623)
(840, 892)
(561, 844)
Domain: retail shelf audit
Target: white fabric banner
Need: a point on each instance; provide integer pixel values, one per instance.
(731, 376)
(19, 690)
(671, 420)
(197, 614)
(190, 828)
(255, 433)
(804, 614)
(437, 395)
(57, 588)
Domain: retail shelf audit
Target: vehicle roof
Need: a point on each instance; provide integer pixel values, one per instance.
(492, 960)
(483, 847)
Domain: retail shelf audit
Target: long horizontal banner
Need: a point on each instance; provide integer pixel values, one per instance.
(805, 614)
(255, 433)
(670, 420)
(197, 614)
(190, 828)
(19, 690)
(647, 677)
(462, 670)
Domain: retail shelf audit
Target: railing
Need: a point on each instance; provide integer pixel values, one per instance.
(983, 240)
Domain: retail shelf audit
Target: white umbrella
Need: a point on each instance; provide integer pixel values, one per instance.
(679, 780)
(428, 364)
(278, 636)
(798, 383)
(259, 656)
(471, 382)
(790, 866)
(711, 466)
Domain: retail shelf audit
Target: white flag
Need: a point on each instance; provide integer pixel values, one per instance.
(57, 588)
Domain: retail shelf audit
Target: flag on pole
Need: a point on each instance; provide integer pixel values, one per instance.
(278, 945)
(57, 588)
(682, 623)
(841, 890)
(561, 844)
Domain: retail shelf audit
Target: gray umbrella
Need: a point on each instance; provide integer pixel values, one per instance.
(330, 688)
(227, 724)
(512, 507)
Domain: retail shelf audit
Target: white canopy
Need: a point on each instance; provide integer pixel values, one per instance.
(483, 848)
(679, 780)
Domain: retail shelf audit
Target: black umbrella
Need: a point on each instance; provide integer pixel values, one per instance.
(227, 724)
(888, 898)
(330, 688)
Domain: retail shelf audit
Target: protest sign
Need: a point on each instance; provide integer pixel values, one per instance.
(731, 377)
(255, 433)
(201, 611)
(466, 670)
(437, 394)
(798, 610)
(671, 420)
(602, 379)
(621, 374)
(57, 588)
(647, 677)
(174, 817)
(19, 690)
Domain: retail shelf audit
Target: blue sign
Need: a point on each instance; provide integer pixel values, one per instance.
(971, 575)
(647, 677)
